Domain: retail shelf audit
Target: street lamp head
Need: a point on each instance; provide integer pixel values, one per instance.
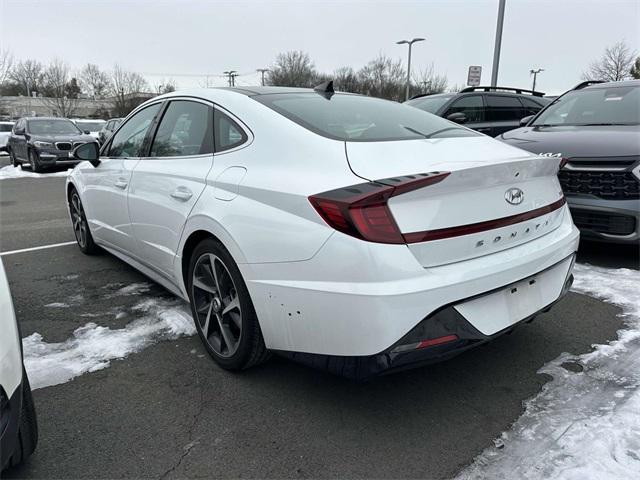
(417, 40)
(402, 42)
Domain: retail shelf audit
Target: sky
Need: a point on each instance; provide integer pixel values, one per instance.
(193, 42)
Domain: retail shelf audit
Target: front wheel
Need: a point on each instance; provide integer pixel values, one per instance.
(13, 158)
(80, 225)
(222, 309)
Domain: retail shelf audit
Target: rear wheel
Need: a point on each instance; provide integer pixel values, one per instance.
(28, 429)
(222, 309)
(34, 160)
(80, 225)
(14, 160)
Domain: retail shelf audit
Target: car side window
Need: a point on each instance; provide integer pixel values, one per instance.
(186, 128)
(471, 105)
(503, 108)
(228, 134)
(130, 138)
(530, 107)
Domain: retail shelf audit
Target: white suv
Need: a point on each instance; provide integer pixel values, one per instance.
(18, 426)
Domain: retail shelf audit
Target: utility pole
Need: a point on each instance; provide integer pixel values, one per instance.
(410, 43)
(230, 75)
(535, 75)
(498, 44)
(233, 78)
(262, 71)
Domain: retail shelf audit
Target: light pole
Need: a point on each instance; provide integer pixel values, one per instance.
(229, 74)
(535, 75)
(410, 43)
(262, 71)
(498, 44)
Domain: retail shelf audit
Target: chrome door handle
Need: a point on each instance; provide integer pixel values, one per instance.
(121, 183)
(182, 193)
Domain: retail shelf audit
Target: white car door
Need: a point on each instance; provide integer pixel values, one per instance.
(106, 186)
(166, 185)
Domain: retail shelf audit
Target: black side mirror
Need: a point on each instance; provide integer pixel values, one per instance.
(87, 132)
(457, 117)
(89, 152)
(524, 121)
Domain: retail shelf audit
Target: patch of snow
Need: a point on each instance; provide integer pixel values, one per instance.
(584, 424)
(57, 305)
(132, 289)
(10, 171)
(92, 347)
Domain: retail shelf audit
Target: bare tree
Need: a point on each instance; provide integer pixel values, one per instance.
(94, 82)
(346, 79)
(57, 85)
(615, 64)
(292, 69)
(28, 74)
(426, 81)
(165, 86)
(635, 69)
(124, 86)
(383, 77)
(6, 64)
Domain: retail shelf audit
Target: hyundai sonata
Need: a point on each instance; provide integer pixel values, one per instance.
(354, 234)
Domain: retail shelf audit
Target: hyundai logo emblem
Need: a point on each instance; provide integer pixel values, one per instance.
(514, 196)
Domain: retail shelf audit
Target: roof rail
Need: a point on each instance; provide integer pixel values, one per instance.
(487, 88)
(586, 83)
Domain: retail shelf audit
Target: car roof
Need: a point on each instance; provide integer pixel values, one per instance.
(623, 83)
(45, 118)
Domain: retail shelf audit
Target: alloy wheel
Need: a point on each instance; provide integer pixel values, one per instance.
(217, 305)
(79, 221)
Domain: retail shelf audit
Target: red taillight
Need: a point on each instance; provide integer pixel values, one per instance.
(362, 211)
(432, 342)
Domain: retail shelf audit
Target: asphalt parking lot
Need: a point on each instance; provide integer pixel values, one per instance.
(169, 411)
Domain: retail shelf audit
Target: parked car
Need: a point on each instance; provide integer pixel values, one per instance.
(18, 424)
(596, 128)
(5, 132)
(489, 110)
(44, 142)
(347, 232)
(107, 129)
(89, 126)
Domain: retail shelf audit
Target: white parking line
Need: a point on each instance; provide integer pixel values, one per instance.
(33, 249)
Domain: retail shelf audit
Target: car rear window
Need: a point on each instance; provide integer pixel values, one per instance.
(357, 118)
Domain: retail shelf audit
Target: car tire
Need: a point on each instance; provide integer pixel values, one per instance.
(28, 428)
(13, 158)
(34, 161)
(81, 230)
(233, 337)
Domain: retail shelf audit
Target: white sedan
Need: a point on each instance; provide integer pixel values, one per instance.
(350, 233)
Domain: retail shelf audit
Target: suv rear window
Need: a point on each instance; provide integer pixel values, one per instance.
(357, 118)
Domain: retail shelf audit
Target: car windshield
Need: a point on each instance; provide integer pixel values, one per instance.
(52, 127)
(6, 127)
(91, 126)
(358, 118)
(431, 103)
(594, 106)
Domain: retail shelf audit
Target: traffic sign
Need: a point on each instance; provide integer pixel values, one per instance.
(475, 73)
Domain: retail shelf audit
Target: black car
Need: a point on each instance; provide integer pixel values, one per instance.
(107, 129)
(488, 110)
(596, 128)
(45, 142)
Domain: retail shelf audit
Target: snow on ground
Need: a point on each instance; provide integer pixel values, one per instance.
(17, 172)
(92, 347)
(585, 424)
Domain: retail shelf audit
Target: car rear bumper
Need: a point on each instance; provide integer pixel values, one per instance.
(355, 298)
(440, 336)
(616, 221)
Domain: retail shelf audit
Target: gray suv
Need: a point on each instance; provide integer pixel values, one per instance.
(45, 142)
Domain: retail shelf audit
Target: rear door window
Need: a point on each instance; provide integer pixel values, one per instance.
(472, 106)
(530, 107)
(185, 129)
(503, 108)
